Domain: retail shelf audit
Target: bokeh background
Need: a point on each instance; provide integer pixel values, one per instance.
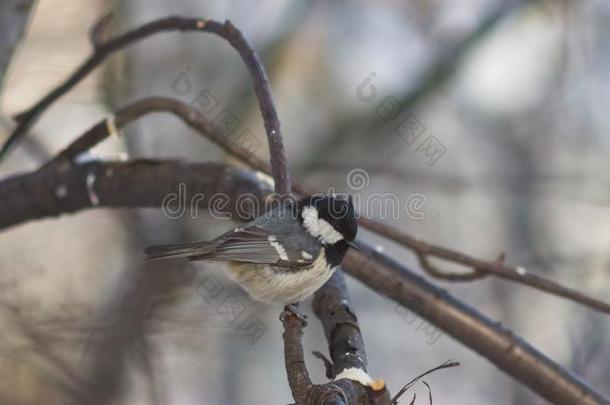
(514, 94)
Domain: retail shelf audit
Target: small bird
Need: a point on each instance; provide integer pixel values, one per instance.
(283, 256)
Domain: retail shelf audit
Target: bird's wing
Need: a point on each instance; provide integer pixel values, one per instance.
(251, 244)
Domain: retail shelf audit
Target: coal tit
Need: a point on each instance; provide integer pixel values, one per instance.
(286, 254)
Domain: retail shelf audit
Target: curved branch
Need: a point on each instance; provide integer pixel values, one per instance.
(279, 165)
(482, 267)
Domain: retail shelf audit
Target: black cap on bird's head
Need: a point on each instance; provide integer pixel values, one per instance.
(330, 218)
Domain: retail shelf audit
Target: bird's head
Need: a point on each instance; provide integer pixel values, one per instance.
(329, 218)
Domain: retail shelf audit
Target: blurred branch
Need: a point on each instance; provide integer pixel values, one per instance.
(226, 31)
(189, 115)
(126, 317)
(52, 190)
(480, 267)
(32, 146)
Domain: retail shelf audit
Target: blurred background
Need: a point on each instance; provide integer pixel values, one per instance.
(485, 118)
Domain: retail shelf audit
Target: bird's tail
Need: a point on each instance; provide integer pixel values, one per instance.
(185, 250)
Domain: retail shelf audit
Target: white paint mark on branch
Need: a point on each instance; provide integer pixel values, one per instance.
(93, 198)
(355, 374)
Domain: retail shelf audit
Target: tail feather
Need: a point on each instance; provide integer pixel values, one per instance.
(177, 250)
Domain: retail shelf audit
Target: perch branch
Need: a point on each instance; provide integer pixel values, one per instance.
(332, 306)
(304, 391)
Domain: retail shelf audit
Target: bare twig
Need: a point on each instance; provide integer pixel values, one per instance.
(447, 364)
(298, 377)
(279, 165)
(480, 267)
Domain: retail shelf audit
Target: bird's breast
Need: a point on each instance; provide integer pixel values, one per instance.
(279, 285)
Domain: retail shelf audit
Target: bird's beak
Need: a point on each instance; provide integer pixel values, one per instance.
(353, 245)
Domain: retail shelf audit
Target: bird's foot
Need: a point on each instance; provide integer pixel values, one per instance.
(293, 309)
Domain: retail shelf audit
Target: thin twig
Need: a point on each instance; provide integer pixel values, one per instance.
(447, 364)
(496, 268)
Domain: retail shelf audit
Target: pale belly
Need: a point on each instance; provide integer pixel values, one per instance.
(263, 284)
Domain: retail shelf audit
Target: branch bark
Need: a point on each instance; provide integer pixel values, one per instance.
(480, 267)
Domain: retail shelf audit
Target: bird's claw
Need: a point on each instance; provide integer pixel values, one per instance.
(293, 309)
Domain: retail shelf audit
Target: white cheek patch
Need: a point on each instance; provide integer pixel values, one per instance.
(319, 228)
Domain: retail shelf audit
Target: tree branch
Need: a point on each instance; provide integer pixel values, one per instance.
(502, 347)
(332, 306)
(55, 190)
(227, 31)
(481, 267)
